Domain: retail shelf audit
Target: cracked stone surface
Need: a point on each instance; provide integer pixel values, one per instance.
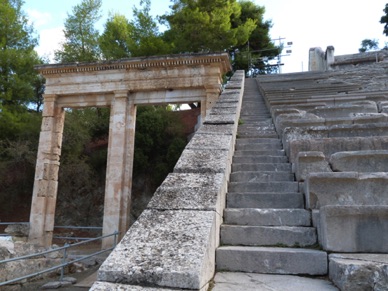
(165, 248)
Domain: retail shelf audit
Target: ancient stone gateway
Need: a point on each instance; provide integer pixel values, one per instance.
(120, 85)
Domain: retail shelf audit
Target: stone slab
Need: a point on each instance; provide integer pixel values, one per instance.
(106, 286)
(359, 272)
(354, 228)
(172, 249)
(221, 119)
(346, 188)
(269, 217)
(211, 141)
(203, 161)
(224, 110)
(330, 146)
(291, 236)
(233, 281)
(271, 260)
(190, 191)
(227, 129)
(360, 161)
(310, 162)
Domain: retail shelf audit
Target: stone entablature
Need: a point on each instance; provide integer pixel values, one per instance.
(120, 85)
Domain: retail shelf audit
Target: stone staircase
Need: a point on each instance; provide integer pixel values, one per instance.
(266, 228)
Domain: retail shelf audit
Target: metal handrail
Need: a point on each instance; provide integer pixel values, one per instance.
(64, 263)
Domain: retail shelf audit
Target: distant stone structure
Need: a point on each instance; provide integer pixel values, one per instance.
(320, 60)
(120, 85)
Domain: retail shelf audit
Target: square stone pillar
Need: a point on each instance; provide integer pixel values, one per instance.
(46, 173)
(119, 167)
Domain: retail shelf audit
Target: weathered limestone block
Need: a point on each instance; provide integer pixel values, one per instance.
(358, 130)
(330, 146)
(211, 142)
(310, 162)
(359, 272)
(227, 129)
(297, 120)
(278, 111)
(189, 191)
(105, 286)
(360, 161)
(173, 249)
(360, 118)
(203, 161)
(18, 230)
(344, 110)
(221, 119)
(354, 229)
(302, 133)
(342, 130)
(346, 188)
(383, 106)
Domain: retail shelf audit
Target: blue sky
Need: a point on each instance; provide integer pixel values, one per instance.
(307, 23)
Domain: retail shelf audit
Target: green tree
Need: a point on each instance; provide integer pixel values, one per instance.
(140, 37)
(206, 25)
(259, 49)
(81, 44)
(117, 39)
(17, 55)
(384, 20)
(368, 45)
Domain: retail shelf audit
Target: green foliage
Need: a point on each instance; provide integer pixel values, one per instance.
(140, 37)
(159, 141)
(384, 20)
(205, 26)
(368, 45)
(116, 41)
(255, 53)
(81, 44)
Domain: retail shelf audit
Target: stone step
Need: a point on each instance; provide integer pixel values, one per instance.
(265, 200)
(244, 141)
(261, 176)
(257, 187)
(267, 217)
(237, 281)
(258, 147)
(279, 153)
(257, 134)
(246, 117)
(260, 159)
(275, 167)
(290, 236)
(271, 260)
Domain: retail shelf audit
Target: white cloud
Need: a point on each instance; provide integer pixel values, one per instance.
(38, 18)
(50, 40)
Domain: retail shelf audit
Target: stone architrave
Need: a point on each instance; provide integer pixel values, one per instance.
(120, 85)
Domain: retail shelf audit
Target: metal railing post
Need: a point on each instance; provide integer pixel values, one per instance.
(64, 260)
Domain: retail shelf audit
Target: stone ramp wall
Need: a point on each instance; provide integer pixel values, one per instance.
(173, 242)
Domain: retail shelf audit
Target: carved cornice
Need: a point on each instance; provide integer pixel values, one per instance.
(156, 62)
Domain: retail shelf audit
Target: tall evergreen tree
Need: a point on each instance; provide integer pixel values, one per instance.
(140, 37)
(384, 20)
(81, 44)
(206, 25)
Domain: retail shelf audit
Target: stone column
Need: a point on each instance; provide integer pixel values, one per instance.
(46, 173)
(119, 167)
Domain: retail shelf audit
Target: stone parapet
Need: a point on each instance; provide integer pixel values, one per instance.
(172, 244)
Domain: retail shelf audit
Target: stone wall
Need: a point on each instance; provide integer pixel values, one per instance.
(173, 242)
